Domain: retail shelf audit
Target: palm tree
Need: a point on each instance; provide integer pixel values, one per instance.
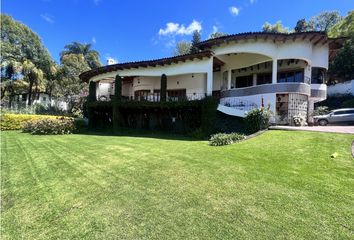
(34, 77)
(9, 69)
(91, 56)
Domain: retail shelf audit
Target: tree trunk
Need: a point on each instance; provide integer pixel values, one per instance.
(30, 93)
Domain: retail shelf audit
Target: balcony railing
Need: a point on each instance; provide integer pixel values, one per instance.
(155, 97)
(238, 103)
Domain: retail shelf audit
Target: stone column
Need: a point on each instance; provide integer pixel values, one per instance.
(274, 71)
(229, 79)
(254, 79)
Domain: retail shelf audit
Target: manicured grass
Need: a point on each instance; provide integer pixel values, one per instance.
(279, 185)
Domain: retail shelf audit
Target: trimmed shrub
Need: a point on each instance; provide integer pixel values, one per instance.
(163, 88)
(92, 92)
(320, 110)
(348, 104)
(221, 139)
(208, 118)
(48, 126)
(10, 121)
(257, 119)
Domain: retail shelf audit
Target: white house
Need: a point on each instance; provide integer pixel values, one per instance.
(42, 98)
(283, 71)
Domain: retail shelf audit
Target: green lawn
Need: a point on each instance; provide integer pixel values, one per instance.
(279, 185)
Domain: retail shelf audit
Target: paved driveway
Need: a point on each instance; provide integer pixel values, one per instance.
(334, 129)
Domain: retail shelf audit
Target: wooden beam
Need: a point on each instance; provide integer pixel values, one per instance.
(319, 40)
(313, 37)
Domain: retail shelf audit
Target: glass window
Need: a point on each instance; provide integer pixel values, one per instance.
(298, 76)
(318, 75)
(291, 76)
(44, 99)
(339, 112)
(350, 111)
(244, 81)
(264, 78)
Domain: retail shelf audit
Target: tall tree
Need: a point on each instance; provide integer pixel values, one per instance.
(196, 38)
(302, 26)
(91, 56)
(34, 77)
(70, 87)
(342, 66)
(20, 45)
(343, 28)
(324, 21)
(274, 28)
(182, 48)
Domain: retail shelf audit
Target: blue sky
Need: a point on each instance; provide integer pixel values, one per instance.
(138, 30)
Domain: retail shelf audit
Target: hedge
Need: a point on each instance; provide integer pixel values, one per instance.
(46, 126)
(9, 121)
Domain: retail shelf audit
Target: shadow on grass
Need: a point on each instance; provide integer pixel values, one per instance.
(142, 134)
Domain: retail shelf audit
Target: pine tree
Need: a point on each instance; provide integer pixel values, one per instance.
(195, 40)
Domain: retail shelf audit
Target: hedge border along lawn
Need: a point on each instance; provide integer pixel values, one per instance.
(11, 121)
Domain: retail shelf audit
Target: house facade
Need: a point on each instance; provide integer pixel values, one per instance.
(42, 98)
(284, 72)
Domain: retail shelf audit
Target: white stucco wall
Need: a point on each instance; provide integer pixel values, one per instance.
(193, 83)
(341, 88)
(316, 56)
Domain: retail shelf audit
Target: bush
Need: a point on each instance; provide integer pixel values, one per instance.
(221, 139)
(257, 119)
(46, 126)
(320, 110)
(348, 104)
(299, 120)
(10, 121)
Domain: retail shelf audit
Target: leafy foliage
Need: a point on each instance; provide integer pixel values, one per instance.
(23, 57)
(257, 119)
(320, 110)
(324, 21)
(118, 88)
(336, 101)
(274, 28)
(209, 106)
(91, 56)
(195, 40)
(92, 92)
(10, 121)
(52, 126)
(221, 139)
(348, 103)
(302, 26)
(182, 48)
(217, 35)
(342, 66)
(163, 88)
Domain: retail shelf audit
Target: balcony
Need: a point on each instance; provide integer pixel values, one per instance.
(292, 87)
(155, 97)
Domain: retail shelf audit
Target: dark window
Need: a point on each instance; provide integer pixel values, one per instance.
(350, 111)
(318, 75)
(339, 113)
(264, 78)
(291, 76)
(44, 99)
(244, 81)
(24, 97)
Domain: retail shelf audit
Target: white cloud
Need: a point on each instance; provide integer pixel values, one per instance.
(93, 40)
(110, 60)
(215, 29)
(179, 29)
(252, 1)
(234, 11)
(48, 18)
